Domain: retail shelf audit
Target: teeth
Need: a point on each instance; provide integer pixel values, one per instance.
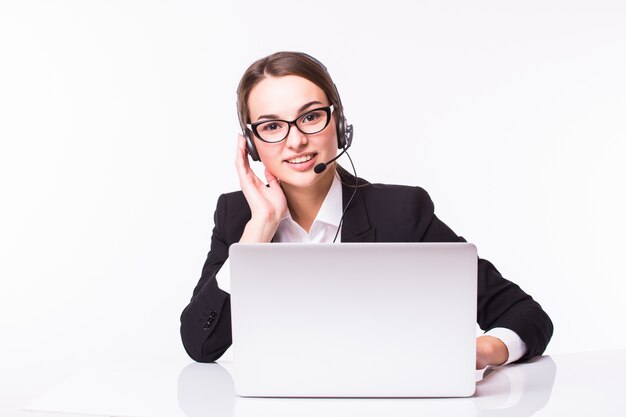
(300, 159)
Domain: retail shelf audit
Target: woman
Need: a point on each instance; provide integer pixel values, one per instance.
(293, 122)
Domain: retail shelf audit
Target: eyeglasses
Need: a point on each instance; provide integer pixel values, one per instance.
(309, 123)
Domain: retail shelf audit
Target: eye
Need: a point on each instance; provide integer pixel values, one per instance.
(312, 117)
(271, 127)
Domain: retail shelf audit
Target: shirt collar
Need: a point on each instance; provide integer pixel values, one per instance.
(331, 209)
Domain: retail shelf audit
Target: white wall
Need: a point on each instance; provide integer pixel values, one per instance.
(118, 125)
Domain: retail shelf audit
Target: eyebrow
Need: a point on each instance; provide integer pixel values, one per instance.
(300, 110)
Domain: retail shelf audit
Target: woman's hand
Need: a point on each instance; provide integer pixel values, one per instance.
(490, 351)
(267, 202)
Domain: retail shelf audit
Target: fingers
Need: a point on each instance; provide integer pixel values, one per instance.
(249, 182)
(272, 181)
(241, 157)
(242, 163)
(490, 351)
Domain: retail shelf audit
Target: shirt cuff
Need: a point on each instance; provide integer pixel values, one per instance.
(516, 346)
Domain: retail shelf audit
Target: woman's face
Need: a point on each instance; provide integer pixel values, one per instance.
(293, 159)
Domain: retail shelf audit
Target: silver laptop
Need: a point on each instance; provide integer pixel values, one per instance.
(354, 319)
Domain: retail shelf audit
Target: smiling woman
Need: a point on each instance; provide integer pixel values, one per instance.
(295, 152)
(293, 122)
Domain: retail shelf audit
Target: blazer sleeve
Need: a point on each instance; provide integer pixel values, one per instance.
(501, 303)
(205, 324)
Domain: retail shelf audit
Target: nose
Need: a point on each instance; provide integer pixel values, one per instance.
(296, 139)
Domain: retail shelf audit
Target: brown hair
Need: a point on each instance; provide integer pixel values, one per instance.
(281, 64)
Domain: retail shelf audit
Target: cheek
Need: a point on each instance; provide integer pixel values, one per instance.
(331, 139)
(270, 154)
(332, 131)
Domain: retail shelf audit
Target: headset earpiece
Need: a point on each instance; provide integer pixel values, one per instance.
(341, 131)
(343, 139)
(251, 147)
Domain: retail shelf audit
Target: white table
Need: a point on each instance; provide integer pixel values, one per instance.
(580, 384)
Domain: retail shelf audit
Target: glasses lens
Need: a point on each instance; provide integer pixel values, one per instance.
(273, 130)
(313, 121)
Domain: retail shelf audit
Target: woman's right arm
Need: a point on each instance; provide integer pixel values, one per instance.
(267, 203)
(205, 322)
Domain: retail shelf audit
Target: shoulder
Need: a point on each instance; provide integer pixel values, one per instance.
(233, 201)
(398, 213)
(233, 204)
(388, 194)
(397, 194)
(403, 202)
(399, 205)
(390, 197)
(231, 215)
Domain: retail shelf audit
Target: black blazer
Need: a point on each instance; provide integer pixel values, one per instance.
(378, 213)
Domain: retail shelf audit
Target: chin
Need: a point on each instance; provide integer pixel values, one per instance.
(301, 179)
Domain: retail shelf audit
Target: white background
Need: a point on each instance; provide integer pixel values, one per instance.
(118, 126)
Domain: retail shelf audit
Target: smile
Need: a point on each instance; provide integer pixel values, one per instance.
(301, 159)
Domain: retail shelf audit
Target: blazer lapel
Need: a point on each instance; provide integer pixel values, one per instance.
(356, 225)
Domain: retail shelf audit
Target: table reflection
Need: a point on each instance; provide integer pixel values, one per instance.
(513, 390)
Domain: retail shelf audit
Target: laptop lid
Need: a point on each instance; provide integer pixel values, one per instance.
(354, 319)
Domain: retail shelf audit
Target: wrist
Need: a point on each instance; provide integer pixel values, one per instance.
(259, 230)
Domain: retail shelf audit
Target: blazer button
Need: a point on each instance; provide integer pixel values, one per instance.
(213, 314)
(207, 325)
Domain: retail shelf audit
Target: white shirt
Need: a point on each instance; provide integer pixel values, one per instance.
(323, 230)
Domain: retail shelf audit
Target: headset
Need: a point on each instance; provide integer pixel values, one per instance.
(344, 130)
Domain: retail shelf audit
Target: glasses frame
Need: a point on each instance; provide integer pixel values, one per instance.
(328, 109)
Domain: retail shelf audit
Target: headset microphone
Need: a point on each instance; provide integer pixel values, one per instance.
(319, 168)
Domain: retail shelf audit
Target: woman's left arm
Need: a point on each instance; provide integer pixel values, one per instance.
(501, 303)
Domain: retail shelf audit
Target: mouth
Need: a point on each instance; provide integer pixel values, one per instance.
(302, 159)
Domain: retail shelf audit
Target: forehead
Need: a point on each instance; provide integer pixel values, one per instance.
(283, 96)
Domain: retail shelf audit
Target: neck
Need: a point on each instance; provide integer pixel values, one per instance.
(305, 202)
